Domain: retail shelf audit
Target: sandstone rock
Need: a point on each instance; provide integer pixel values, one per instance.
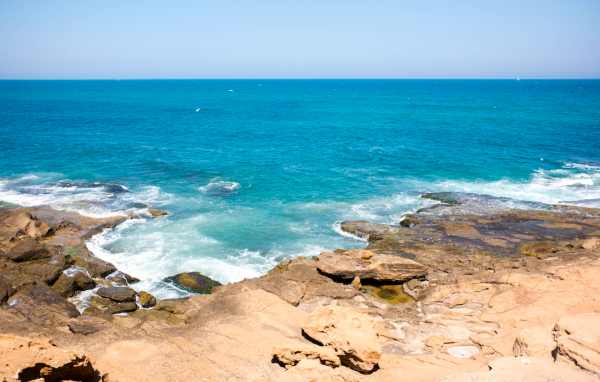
(118, 294)
(437, 342)
(25, 359)
(45, 270)
(117, 280)
(194, 282)
(368, 265)
(169, 304)
(93, 311)
(363, 228)
(156, 212)
(146, 299)
(311, 370)
(356, 283)
(101, 303)
(87, 324)
(289, 290)
(28, 223)
(151, 315)
(95, 267)
(536, 342)
(578, 340)
(122, 307)
(67, 286)
(42, 305)
(10, 235)
(416, 289)
(351, 334)
(4, 290)
(291, 356)
(28, 250)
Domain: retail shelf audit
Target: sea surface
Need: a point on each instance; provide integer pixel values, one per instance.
(253, 172)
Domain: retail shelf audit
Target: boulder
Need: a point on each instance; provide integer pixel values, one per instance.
(578, 339)
(93, 311)
(352, 335)
(122, 307)
(156, 212)
(368, 265)
(28, 250)
(28, 223)
(370, 231)
(45, 270)
(193, 282)
(118, 294)
(68, 285)
(87, 325)
(43, 305)
(95, 267)
(101, 303)
(146, 299)
(10, 235)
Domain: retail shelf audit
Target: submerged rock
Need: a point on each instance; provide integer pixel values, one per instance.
(193, 282)
(351, 334)
(156, 212)
(368, 265)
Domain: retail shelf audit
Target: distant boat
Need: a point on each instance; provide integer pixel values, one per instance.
(518, 79)
(197, 110)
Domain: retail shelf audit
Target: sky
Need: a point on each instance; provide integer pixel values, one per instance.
(179, 39)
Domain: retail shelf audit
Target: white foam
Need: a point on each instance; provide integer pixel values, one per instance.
(217, 184)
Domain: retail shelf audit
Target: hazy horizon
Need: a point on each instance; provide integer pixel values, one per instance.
(313, 40)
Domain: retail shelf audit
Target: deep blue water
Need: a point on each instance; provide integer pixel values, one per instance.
(266, 169)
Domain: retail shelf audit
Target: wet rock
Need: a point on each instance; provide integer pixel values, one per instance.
(193, 282)
(28, 250)
(371, 231)
(101, 303)
(117, 280)
(95, 267)
(87, 324)
(351, 334)
(122, 307)
(146, 299)
(42, 305)
(118, 294)
(4, 290)
(156, 212)
(169, 304)
(578, 339)
(68, 285)
(368, 265)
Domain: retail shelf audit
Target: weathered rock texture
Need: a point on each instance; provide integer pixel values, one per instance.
(194, 282)
(352, 335)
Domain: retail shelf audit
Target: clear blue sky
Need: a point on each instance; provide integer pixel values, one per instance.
(56, 39)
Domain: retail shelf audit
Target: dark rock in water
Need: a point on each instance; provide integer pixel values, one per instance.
(123, 307)
(64, 225)
(146, 299)
(28, 250)
(118, 294)
(117, 280)
(156, 212)
(43, 305)
(169, 304)
(67, 286)
(365, 229)
(193, 282)
(87, 325)
(101, 303)
(95, 266)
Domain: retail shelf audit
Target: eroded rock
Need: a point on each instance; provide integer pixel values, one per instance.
(28, 250)
(88, 324)
(578, 339)
(194, 282)
(68, 285)
(118, 294)
(122, 307)
(42, 305)
(351, 334)
(146, 299)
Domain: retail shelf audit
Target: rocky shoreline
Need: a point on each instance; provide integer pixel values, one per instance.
(474, 287)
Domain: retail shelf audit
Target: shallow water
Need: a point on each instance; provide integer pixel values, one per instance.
(263, 173)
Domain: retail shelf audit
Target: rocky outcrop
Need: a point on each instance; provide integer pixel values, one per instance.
(122, 307)
(578, 340)
(68, 285)
(87, 324)
(292, 356)
(537, 342)
(24, 359)
(42, 305)
(193, 282)
(368, 265)
(156, 212)
(350, 334)
(27, 223)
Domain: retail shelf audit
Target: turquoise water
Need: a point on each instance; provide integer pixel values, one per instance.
(267, 170)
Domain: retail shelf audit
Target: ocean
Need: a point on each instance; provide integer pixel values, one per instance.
(255, 171)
